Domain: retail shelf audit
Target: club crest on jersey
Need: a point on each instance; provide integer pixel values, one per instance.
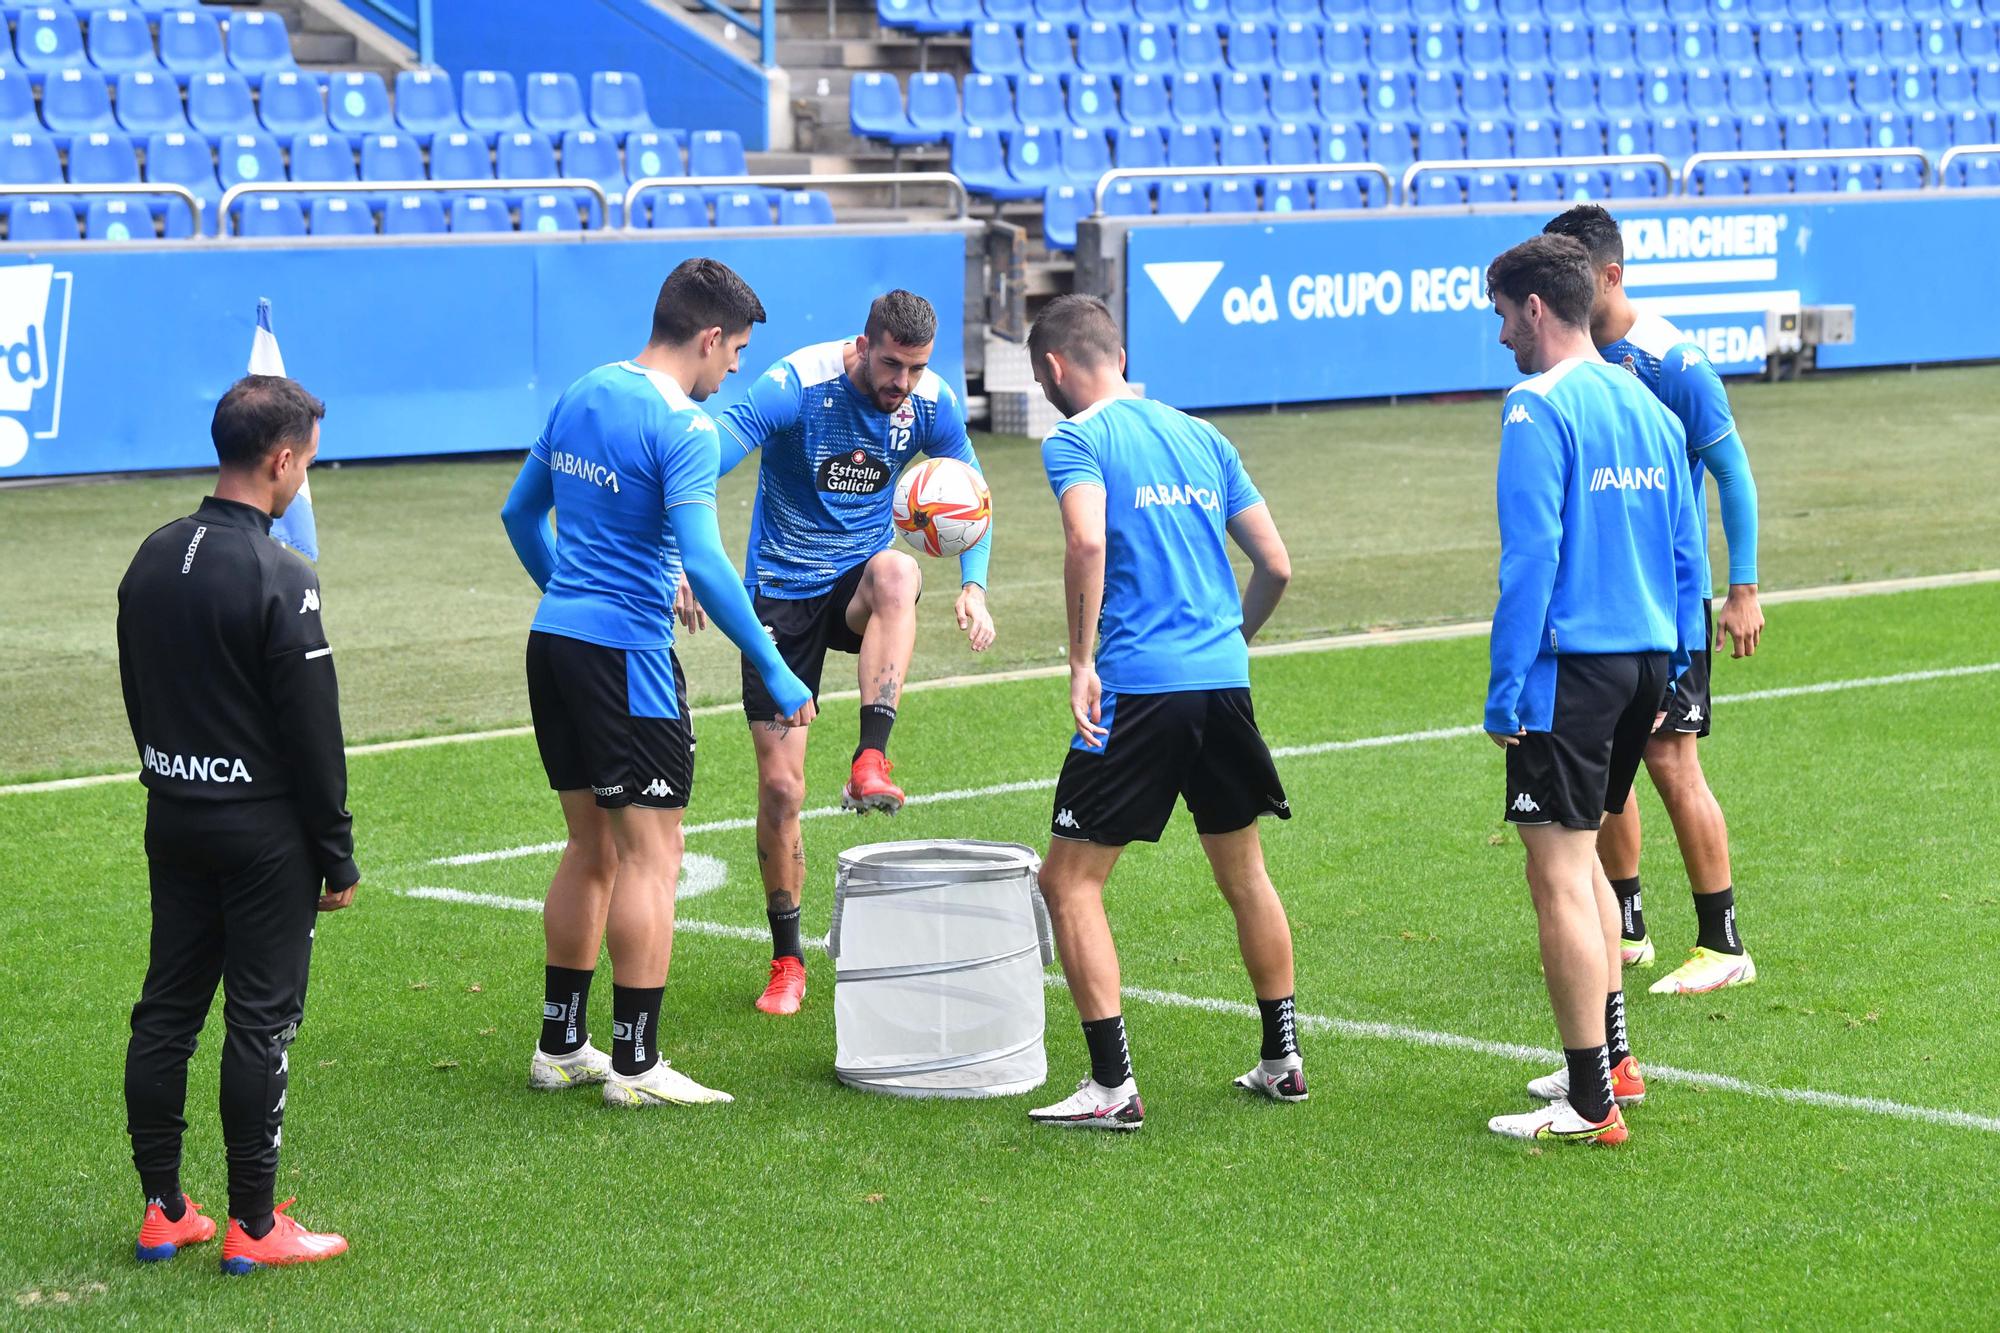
(1630, 363)
(854, 473)
(904, 417)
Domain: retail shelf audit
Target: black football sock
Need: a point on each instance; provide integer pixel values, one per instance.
(1615, 1037)
(1281, 1037)
(259, 1226)
(785, 934)
(875, 723)
(1589, 1082)
(1716, 915)
(565, 996)
(165, 1190)
(1631, 913)
(1110, 1058)
(635, 1020)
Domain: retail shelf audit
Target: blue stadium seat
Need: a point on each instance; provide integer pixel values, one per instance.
(1627, 135)
(1181, 197)
(1482, 46)
(1343, 141)
(1613, 43)
(150, 103)
(1874, 89)
(550, 213)
(1010, 11)
(933, 108)
(1856, 177)
(1490, 187)
(48, 39)
(1632, 183)
(1128, 199)
(1528, 93)
(1860, 42)
(1245, 146)
(1534, 137)
(1525, 44)
(461, 156)
(1298, 47)
(1582, 185)
(29, 159)
(1900, 41)
(1777, 44)
(1149, 49)
(1100, 48)
(1034, 157)
(1673, 138)
(1038, 100)
(415, 215)
(1392, 93)
(219, 103)
(1143, 101)
(477, 213)
(323, 157)
(738, 208)
(118, 220)
(121, 41)
(1436, 189)
(1232, 196)
(1440, 139)
(593, 155)
(1537, 185)
(1138, 146)
(1715, 134)
(77, 101)
(1654, 44)
(1062, 207)
(1986, 85)
(1707, 91)
(1287, 194)
(524, 155)
(996, 49)
(1191, 146)
(1979, 171)
(1484, 95)
(490, 103)
(1694, 44)
(183, 159)
(979, 158)
(1084, 155)
(290, 103)
(1109, 11)
(1977, 42)
(618, 102)
(1735, 44)
(805, 208)
(1804, 131)
(1970, 128)
(1832, 89)
(1815, 178)
(1748, 90)
(1293, 145)
(1392, 46)
(1846, 129)
(1889, 129)
(1575, 93)
(1045, 49)
(1066, 12)
(1342, 96)
(1198, 48)
(1293, 97)
(1244, 101)
(875, 109)
(1931, 131)
(40, 221)
(1953, 87)
(1790, 93)
(716, 153)
(391, 157)
(652, 153)
(1193, 98)
(357, 104)
(1437, 47)
(1819, 42)
(270, 216)
(340, 216)
(554, 104)
(1569, 46)
(1345, 47)
(1759, 133)
(1580, 136)
(679, 209)
(1619, 91)
(989, 102)
(1251, 48)
(191, 43)
(1390, 144)
(1335, 193)
(1488, 139)
(17, 103)
(102, 159)
(259, 44)
(1437, 94)
(426, 105)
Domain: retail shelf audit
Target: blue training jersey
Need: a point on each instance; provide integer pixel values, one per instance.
(1173, 618)
(1680, 375)
(1599, 547)
(623, 445)
(826, 486)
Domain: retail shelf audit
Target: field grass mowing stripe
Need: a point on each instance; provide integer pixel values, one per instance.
(1279, 752)
(1363, 639)
(1352, 1028)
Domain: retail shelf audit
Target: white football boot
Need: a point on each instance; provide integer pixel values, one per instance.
(1281, 1080)
(1094, 1106)
(662, 1085)
(1560, 1123)
(553, 1073)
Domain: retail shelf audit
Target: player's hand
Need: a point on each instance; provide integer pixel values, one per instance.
(974, 618)
(807, 711)
(688, 609)
(333, 902)
(1503, 740)
(1741, 618)
(1659, 720)
(1086, 705)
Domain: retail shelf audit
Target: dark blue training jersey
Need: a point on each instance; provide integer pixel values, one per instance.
(827, 483)
(623, 446)
(1599, 545)
(1173, 618)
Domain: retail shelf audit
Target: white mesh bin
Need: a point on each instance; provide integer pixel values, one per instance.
(938, 950)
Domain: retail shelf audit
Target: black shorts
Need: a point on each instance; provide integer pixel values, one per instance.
(804, 628)
(614, 720)
(1687, 698)
(1584, 764)
(1200, 745)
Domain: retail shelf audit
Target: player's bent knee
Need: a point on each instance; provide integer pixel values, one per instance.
(895, 579)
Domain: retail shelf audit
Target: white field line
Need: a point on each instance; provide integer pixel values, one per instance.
(1333, 643)
(1347, 1027)
(1280, 752)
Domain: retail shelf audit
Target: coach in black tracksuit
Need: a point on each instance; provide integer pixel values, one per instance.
(230, 689)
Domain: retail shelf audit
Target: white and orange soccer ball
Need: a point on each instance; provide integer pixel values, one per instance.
(943, 507)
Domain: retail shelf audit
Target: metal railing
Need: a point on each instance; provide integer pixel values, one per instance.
(765, 29)
(156, 188)
(943, 179)
(530, 185)
(1266, 172)
(418, 30)
(1478, 164)
(1952, 155)
(1808, 155)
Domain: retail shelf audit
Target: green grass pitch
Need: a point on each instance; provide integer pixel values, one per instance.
(1869, 884)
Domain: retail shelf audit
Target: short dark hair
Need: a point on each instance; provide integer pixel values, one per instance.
(703, 294)
(904, 316)
(259, 413)
(1595, 228)
(1555, 268)
(1077, 327)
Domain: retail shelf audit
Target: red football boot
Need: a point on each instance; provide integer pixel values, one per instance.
(868, 786)
(160, 1238)
(787, 990)
(285, 1243)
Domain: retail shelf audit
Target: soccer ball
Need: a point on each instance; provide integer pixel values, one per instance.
(943, 507)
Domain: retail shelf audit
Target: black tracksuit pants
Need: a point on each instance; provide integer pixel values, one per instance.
(235, 893)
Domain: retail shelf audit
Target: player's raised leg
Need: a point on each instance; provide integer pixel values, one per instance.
(1618, 841)
(640, 927)
(883, 612)
(781, 858)
(1718, 958)
(573, 917)
(1072, 884)
(1265, 938)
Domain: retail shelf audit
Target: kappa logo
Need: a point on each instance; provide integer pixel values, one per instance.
(1519, 415)
(311, 602)
(657, 787)
(1524, 804)
(1064, 819)
(1690, 357)
(34, 342)
(1694, 712)
(618, 790)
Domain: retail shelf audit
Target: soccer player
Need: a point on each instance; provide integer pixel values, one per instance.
(1600, 585)
(838, 422)
(1159, 671)
(1686, 381)
(628, 463)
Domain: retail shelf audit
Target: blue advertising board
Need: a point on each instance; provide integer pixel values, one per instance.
(1370, 305)
(113, 360)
